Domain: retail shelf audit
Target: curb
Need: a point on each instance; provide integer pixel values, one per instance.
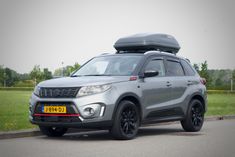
(213, 118)
(19, 134)
(36, 132)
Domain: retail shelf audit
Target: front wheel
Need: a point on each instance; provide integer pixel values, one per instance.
(126, 121)
(195, 117)
(53, 131)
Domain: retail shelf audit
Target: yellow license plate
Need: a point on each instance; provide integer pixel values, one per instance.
(54, 109)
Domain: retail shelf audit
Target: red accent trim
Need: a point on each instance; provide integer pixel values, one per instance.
(59, 115)
(133, 78)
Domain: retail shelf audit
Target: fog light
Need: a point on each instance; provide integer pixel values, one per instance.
(91, 110)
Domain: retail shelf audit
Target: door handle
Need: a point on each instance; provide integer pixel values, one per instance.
(168, 84)
(189, 83)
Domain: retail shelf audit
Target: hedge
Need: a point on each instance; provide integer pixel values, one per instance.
(220, 92)
(17, 88)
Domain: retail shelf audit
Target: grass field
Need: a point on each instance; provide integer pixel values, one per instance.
(221, 104)
(14, 108)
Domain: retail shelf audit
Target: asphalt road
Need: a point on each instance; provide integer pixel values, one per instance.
(217, 139)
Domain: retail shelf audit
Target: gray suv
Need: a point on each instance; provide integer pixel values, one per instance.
(143, 82)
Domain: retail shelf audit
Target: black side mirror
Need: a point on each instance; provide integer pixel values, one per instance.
(151, 73)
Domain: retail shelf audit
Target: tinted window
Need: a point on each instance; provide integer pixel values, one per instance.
(156, 65)
(174, 68)
(187, 68)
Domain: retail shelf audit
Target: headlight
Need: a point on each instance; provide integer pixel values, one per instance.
(92, 110)
(89, 90)
(37, 91)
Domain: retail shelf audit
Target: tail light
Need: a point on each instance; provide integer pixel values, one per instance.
(203, 81)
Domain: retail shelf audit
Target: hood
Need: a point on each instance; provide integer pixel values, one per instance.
(83, 81)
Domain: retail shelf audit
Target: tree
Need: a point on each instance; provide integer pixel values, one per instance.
(1, 75)
(66, 70)
(36, 74)
(204, 73)
(218, 82)
(233, 74)
(76, 66)
(46, 74)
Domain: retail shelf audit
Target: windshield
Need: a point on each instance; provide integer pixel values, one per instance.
(109, 66)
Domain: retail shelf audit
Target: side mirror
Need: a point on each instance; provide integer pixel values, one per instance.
(151, 73)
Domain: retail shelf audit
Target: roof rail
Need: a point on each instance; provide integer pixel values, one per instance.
(157, 51)
(104, 54)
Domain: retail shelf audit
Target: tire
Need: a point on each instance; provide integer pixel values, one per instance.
(53, 131)
(195, 117)
(126, 121)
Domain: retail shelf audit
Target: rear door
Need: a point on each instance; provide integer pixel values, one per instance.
(178, 81)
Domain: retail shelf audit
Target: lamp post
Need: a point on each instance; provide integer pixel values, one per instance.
(231, 84)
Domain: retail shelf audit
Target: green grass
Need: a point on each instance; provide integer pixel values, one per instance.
(14, 108)
(221, 104)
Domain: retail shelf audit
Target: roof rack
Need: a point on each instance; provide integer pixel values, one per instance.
(140, 43)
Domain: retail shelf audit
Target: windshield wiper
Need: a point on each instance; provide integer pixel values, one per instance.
(76, 75)
(97, 75)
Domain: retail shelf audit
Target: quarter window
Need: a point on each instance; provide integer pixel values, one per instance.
(187, 68)
(174, 68)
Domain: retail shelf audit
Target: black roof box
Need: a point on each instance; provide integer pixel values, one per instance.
(160, 42)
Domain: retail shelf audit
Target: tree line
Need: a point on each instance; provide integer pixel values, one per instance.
(216, 79)
(10, 78)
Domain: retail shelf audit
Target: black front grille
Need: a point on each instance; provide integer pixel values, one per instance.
(59, 92)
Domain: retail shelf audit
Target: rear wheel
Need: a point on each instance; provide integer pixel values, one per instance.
(195, 117)
(53, 131)
(126, 121)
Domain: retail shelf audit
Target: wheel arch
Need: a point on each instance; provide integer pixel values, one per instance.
(199, 96)
(130, 97)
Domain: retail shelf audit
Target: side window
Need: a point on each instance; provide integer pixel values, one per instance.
(156, 65)
(174, 68)
(187, 68)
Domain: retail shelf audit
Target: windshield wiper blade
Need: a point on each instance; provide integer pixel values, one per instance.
(76, 75)
(97, 75)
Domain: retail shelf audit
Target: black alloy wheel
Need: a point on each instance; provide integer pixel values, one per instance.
(126, 122)
(195, 116)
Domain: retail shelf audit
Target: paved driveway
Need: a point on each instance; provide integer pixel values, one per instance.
(217, 139)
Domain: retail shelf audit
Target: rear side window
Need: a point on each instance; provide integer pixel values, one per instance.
(174, 68)
(187, 68)
(156, 65)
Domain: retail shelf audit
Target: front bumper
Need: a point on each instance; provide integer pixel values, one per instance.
(76, 120)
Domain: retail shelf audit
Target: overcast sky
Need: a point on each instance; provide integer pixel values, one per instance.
(48, 32)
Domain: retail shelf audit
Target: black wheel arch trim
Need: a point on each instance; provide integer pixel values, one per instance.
(202, 98)
(126, 95)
